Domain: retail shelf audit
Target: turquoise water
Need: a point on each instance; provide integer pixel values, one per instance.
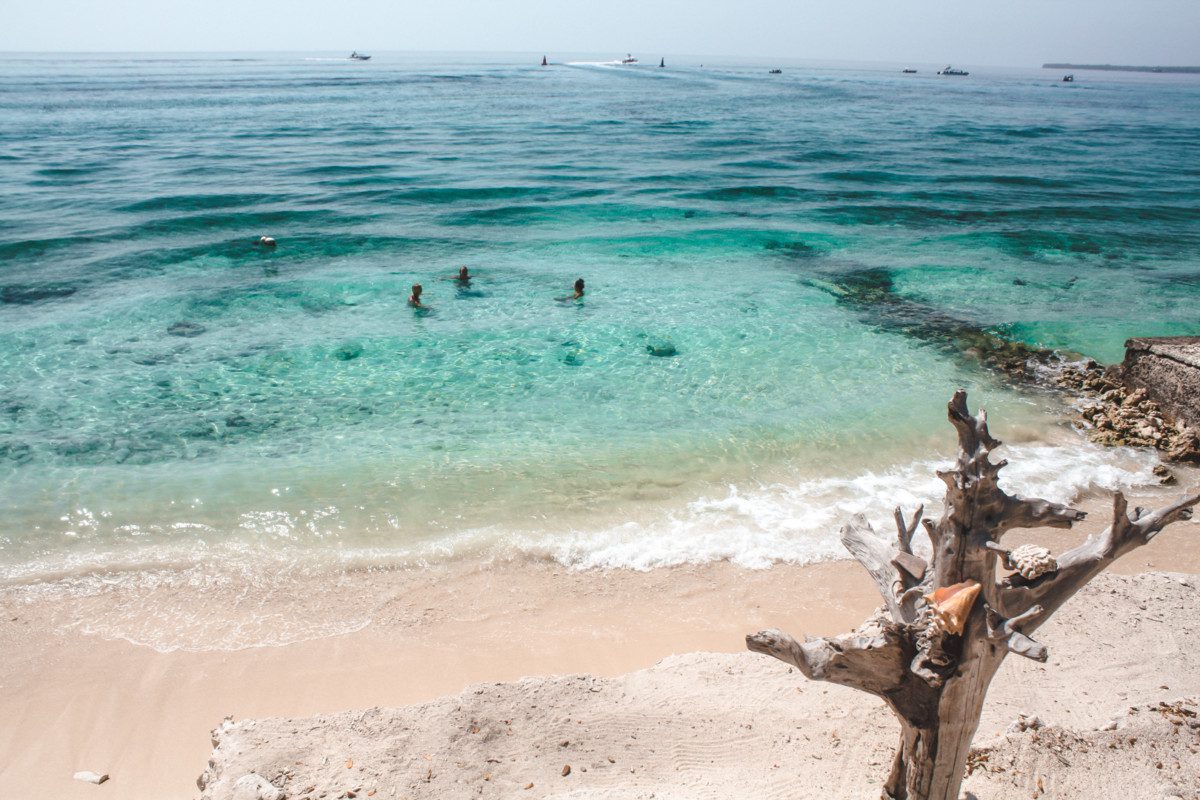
(173, 393)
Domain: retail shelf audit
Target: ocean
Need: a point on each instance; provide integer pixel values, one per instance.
(176, 399)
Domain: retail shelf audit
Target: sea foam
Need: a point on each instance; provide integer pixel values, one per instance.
(756, 526)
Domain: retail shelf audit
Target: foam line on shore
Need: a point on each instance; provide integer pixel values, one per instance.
(756, 527)
(235, 595)
(752, 525)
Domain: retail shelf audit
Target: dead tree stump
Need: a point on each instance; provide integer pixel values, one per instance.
(947, 624)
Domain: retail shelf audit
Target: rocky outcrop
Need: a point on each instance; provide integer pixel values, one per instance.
(1114, 413)
(1168, 369)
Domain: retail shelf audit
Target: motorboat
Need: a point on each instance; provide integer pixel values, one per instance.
(909, 71)
(775, 72)
(357, 56)
(629, 59)
(1068, 79)
(949, 70)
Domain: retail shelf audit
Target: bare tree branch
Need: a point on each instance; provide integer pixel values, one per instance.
(1022, 645)
(1036, 513)
(876, 556)
(1080, 564)
(905, 531)
(871, 658)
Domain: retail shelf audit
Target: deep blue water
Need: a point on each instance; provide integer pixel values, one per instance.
(168, 389)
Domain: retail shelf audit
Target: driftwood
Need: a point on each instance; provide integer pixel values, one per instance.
(948, 623)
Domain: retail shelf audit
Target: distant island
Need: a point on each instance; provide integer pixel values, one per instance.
(1122, 68)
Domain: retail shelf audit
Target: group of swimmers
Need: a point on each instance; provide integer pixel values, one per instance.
(463, 279)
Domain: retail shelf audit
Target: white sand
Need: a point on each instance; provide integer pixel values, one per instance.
(708, 725)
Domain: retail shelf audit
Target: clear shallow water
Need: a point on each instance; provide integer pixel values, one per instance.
(713, 212)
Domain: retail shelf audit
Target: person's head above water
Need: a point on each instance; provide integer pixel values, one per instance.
(579, 287)
(464, 274)
(415, 297)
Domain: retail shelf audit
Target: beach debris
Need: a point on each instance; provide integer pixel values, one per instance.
(186, 329)
(349, 763)
(952, 605)
(1032, 561)
(88, 776)
(938, 694)
(528, 786)
(1025, 722)
(255, 787)
(566, 770)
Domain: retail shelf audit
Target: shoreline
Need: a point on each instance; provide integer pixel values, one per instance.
(77, 701)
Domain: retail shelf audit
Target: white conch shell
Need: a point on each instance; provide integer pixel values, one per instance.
(952, 605)
(1031, 561)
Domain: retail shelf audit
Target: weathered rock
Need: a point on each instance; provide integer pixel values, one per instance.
(1167, 371)
(1118, 415)
(1164, 474)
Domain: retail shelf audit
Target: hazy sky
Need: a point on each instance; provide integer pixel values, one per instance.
(1004, 32)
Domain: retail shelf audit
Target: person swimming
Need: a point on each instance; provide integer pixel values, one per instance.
(464, 275)
(414, 299)
(577, 292)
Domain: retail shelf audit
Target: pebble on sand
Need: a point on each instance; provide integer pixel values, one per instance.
(91, 777)
(566, 770)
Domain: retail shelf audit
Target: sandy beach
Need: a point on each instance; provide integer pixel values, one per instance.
(74, 700)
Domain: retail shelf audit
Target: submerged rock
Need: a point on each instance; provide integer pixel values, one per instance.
(1150, 401)
(186, 329)
(27, 295)
(873, 293)
(348, 352)
(661, 349)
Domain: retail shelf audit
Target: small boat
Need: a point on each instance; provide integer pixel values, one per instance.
(629, 59)
(357, 56)
(662, 62)
(949, 70)
(1068, 79)
(545, 63)
(775, 72)
(909, 71)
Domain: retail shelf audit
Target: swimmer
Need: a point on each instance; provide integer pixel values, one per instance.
(577, 293)
(464, 275)
(414, 299)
